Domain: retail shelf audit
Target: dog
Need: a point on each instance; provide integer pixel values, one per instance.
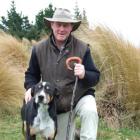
(39, 114)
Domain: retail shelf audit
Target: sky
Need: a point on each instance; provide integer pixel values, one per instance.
(122, 16)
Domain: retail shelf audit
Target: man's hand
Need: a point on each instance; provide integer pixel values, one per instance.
(28, 95)
(79, 70)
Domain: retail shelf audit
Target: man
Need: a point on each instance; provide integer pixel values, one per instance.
(48, 63)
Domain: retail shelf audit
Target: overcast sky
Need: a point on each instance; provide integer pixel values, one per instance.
(122, 16)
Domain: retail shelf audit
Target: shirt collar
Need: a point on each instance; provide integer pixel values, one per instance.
(63, 45)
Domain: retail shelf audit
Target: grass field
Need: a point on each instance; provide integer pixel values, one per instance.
(10, 129)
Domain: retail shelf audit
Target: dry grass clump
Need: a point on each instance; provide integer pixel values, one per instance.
(118, 93)
(13, 51)
(11, 89)
(13, 62)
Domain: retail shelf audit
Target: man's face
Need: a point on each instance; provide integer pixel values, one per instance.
(61, 30)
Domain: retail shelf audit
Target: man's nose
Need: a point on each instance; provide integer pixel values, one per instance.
(62, 27)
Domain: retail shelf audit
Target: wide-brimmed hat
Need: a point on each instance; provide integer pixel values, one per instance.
(62, 15)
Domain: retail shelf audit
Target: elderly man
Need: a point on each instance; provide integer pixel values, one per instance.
(48, 63)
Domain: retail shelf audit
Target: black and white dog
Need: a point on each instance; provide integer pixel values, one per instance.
(39, 114)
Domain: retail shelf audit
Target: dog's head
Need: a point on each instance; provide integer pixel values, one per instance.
(43, 92)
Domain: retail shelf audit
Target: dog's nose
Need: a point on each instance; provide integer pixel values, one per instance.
(40, 97)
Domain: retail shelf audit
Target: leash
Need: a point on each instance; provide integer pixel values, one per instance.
(68, 61)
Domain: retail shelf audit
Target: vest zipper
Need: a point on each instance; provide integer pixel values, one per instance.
(61, 55)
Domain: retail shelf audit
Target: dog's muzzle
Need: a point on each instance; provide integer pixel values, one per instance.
(40, 98)
(43, 99)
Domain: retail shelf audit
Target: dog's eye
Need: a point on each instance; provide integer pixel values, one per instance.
(39, 86)
(47, 87)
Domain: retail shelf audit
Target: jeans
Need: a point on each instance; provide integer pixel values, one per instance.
(87, 111)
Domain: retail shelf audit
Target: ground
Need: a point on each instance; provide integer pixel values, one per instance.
(11, 129)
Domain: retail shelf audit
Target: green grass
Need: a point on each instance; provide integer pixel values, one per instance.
(106, 133)
(10, 129)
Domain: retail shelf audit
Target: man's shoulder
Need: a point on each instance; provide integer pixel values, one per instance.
(80, 46)
(42, 42)
(41, 45)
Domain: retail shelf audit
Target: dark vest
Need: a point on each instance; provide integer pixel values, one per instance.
(53, 68)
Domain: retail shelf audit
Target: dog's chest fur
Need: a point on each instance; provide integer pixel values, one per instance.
(43, 123)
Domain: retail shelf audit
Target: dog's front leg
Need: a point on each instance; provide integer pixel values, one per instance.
(29, 137)
(28, 134)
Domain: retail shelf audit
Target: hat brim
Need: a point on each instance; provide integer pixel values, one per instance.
(76, 23)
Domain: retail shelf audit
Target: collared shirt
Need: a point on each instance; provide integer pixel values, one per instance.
(62, 46)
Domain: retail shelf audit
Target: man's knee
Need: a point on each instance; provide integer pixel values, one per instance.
(89, 113)
(88, 109)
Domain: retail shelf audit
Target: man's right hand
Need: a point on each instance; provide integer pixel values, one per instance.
(28, 95)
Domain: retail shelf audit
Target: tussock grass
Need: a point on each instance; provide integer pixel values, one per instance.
(13, 61)
(118, 93)
(11, 89)
(13, 51)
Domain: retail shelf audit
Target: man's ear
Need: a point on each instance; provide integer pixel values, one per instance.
(51, 23)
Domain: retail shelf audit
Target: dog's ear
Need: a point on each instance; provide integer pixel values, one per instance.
(32, 90)
(56, 93)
